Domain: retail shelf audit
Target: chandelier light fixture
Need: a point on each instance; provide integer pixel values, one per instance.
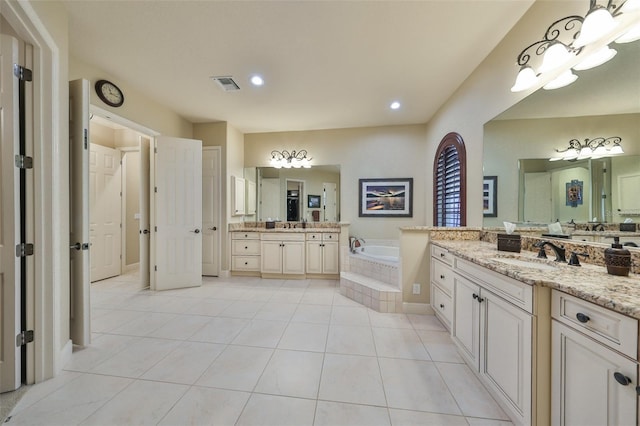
(591, 148)
(568, 37)
(287, 160)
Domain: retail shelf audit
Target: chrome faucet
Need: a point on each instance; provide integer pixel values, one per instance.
(355, 242)
(560, 251)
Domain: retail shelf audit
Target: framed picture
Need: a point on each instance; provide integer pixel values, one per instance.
(574, 192)
(313, 201)
(490, 196)
(386, 197)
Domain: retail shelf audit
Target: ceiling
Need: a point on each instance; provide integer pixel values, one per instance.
(326, 64)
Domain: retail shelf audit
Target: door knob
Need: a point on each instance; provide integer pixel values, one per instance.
(197, 231)
(76, 246)
(215, 228)
(144, 231)
(622, 379)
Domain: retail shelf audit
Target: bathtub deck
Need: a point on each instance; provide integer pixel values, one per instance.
(372, 293)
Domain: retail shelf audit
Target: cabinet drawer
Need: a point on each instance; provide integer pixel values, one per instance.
(330, 237)
(442, 254)
(283, 236)
(245, 247)
(245, 235)
(611, 328)
(442, 275)
(314, 236)
(442, 305)
(245, 263)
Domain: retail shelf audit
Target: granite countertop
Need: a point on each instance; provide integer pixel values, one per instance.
(588, 282)
(606, 233)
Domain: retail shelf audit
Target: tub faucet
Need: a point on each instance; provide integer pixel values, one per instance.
(355, 243)
(560, 251)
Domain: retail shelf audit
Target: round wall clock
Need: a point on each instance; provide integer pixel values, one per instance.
(109, 93)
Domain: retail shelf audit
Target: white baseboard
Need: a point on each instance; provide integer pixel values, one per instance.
(65, 357)
(417, 308)
(225, 273)
(131, 268)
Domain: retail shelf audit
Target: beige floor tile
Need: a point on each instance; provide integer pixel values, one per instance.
(205, 406)
(312, 313)
(353, 340)
(186, 363)
(399, 343)
(261, 333)
(242, 309)
(426, 322)
(440, 346)
(387, 320)
(304, 337)
(136, 358)
(473, 421)
(471, 396)
(220, 330)
(100, 350)
(270, 410)
(416, 385)
(419, 418)
(276, 311)
(346, 315)
(351, 378)
(140, 403)
(292, 373)
(237, 368)
(144, 325)
(339, 413)
(210, 307)
(181, 327)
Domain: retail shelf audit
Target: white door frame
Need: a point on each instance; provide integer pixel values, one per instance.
(217, 214)
(124, 268)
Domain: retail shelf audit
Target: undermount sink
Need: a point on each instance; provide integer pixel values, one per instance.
(525, 263)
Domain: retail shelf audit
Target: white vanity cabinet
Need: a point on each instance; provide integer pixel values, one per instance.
(594, 364)
(245, 251)
(282, 253)
(442, 285)
(493, 327)
(322, 253)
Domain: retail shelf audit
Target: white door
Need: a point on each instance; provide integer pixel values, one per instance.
(178, 213)
(79, 211)
(105, 212)
(330, 210)
(145, 227)
(537, 197)
(211, 201)
(10, 362)
(270, 200)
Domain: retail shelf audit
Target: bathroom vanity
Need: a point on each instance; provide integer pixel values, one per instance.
(553, 343)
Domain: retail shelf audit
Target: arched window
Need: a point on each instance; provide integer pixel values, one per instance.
(449, 182)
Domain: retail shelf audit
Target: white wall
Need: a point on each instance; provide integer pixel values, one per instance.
(371, 152)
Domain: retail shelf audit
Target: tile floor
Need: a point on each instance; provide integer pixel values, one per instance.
(246, 351)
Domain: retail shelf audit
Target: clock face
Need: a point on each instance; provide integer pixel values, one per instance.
(109, 93)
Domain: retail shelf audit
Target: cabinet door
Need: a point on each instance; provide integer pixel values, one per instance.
(466, 323)
(293, 257)
(314, 257)
(441, 304)
(506, 352)
(330, 256)
(584, 389)
(271, 257)
(237, 196)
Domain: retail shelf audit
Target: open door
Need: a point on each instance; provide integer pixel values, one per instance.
(178, 213)
(145, 212)
(10, 317)
(211, 211)
(79, 211)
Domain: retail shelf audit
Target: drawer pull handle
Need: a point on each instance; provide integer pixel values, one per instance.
(441, 306)
(582, 317)
(442, 277)
(622, 379)
(246, 263)
(475, 296)
(442, 255)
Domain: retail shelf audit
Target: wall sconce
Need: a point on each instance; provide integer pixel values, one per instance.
(567, 37)
(594, 148)
(287, 160)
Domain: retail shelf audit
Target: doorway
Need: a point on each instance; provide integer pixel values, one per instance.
(294, 206)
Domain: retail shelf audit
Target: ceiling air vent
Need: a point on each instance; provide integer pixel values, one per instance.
(226, 83)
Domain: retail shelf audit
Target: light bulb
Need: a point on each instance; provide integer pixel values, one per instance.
(632, 35)
(599, 57)
(555, 56)
(596, 25)
(525, 80)
(564, 79)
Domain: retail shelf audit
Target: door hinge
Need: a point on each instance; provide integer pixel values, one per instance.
(86, 138)
(22, 73)
(155, 189)
(24, 250)
(24, 337)
(24, 162)
(155, 150)
(156, 228)
(155, 268)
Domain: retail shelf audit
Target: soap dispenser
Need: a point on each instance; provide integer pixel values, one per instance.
(617, 259)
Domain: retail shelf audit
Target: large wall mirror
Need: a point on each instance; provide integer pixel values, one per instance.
(296, 195)
(603, 102)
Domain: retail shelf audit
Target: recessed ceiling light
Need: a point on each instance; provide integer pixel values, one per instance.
(256, 80)
(394, 105)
